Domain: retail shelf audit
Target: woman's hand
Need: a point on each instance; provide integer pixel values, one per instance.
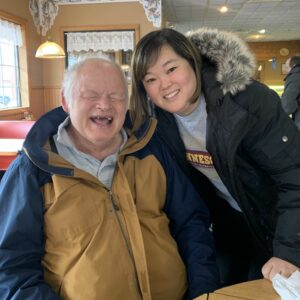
(275, 266)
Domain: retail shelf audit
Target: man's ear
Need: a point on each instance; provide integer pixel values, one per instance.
(64, 102)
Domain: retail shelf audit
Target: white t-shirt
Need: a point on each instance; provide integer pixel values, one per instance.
(192, 130)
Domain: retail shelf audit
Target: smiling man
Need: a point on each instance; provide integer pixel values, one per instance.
(92, 210)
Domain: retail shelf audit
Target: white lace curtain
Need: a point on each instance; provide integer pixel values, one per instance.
(45, 11)
(153, 11)
(104, 41)
(10, 33)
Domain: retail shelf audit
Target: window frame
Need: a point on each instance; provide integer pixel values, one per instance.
(125, 27)
(23, 66)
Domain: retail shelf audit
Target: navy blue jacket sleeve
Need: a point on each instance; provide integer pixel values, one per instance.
(189, 225)
(21, 235)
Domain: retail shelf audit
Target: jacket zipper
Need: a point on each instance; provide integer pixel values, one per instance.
(116, 209)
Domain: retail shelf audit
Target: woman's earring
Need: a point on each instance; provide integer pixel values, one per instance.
(150, 106)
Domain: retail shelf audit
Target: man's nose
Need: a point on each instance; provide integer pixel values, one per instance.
(103, 103)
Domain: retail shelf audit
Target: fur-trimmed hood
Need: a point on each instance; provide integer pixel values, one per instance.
(235, 63)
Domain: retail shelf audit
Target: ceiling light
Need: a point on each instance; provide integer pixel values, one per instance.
(262, 31)
(223, 9)
(50, 49)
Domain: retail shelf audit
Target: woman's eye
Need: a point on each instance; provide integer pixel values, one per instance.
(171, 69)
(149, 80)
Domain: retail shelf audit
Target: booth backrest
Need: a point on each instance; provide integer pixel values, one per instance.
(15, 129)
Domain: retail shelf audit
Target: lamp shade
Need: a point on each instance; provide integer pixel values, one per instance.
(50, 50)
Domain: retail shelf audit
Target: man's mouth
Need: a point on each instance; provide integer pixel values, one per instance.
(99, 120)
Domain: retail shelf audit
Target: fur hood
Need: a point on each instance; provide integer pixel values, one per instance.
(235, 63)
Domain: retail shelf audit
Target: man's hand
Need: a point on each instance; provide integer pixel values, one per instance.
(276, 265)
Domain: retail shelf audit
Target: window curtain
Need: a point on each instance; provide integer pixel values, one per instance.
(153, 11)
(104, 41)
(44, 13)
(10, 33)
(75, 56)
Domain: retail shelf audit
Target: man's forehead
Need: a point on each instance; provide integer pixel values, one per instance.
(101, 79)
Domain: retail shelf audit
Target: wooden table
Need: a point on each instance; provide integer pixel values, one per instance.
(260, 289)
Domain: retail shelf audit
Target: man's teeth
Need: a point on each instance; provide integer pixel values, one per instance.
(103, 119)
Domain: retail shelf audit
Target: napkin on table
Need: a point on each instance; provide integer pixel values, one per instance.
(287, 288)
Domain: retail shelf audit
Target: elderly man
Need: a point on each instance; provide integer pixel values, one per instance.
(290, 98)
(91, 210)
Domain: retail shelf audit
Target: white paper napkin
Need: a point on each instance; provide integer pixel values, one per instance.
(287, 288)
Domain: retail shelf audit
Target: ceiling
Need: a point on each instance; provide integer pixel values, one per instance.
(280, 18)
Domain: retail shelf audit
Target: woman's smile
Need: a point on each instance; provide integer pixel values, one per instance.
(171, 82)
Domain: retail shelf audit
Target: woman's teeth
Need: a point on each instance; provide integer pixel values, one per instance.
(168, 96)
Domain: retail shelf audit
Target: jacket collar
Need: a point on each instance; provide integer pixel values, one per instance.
(211, 88)
(48, 124)
(235, 64)
(39, 136)
(142, 131)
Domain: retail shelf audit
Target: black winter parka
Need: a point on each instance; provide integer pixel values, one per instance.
(255, 149)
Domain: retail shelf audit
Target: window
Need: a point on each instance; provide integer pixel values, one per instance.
(13, 64)
(9, 76)
(115, 42)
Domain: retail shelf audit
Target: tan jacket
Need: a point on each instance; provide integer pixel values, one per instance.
(64, 235)
(111, 244)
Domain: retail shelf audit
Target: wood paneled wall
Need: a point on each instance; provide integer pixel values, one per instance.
(267, 50)
(271, 74)
(44, 99)
(37, 101)
(52, 98)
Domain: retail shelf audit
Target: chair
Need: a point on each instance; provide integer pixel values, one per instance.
(12, 130)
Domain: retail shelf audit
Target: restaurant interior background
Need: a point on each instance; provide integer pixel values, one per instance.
(40, 79)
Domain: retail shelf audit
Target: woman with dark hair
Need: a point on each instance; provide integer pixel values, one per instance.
(230, 135)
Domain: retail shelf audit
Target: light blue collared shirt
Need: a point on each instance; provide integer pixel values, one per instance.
(103, 170)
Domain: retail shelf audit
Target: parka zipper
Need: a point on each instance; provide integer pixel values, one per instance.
(116, 209)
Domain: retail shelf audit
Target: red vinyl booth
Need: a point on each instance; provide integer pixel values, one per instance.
(12, 130)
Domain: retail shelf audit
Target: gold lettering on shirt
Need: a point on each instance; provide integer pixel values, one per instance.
(199, 158)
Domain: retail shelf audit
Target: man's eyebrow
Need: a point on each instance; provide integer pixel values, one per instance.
(117, 93)
(88, 92)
